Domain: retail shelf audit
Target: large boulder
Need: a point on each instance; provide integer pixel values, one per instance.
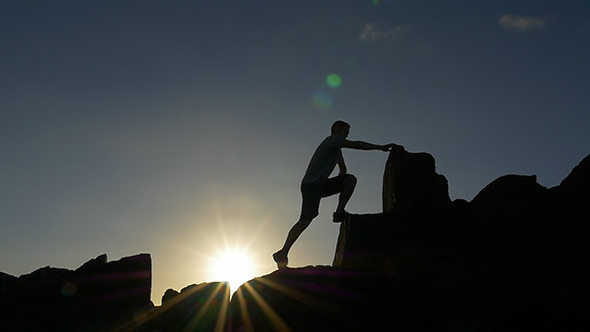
(411, 185)
(364, 243)
(97, 296)
(406, 232)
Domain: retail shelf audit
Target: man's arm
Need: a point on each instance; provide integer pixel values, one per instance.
(360, 145)
(342, 165)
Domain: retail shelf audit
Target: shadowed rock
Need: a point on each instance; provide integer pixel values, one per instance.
(411, 185)
(414, 198)
(514, 258)
(96, 296)
(168, 295)
(107, 296)
(202, 307)
(324, 299)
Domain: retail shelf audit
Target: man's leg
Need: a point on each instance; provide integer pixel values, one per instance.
(309, 210)
(346, 193)
(281, 256)
(295, 232)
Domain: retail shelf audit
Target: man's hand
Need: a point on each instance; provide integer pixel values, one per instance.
(389, 147)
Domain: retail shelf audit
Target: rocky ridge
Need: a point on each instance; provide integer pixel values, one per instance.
(513, 258)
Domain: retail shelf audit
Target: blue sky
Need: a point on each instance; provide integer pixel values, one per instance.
(180, 128)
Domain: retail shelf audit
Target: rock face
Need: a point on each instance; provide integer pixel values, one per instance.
(325, 299)
(514, 258)
(414, 199)
(107, 296)
(202, 307)
(411, 185)
(520, 249)
(97, 296)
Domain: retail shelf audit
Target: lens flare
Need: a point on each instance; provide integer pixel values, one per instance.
(322, 100)
(333, 80)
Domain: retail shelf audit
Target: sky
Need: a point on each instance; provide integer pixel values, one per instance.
(183, 128)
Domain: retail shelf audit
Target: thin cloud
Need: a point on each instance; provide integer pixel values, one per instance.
(520, 23)
(372, 34)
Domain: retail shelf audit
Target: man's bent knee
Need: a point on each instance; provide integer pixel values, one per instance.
(350, 180)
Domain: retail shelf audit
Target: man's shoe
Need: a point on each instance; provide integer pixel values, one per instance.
(281, 259)
(341, 216)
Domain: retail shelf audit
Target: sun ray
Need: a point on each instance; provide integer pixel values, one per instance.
(306, 299)
(244, 311)
(278, 323)
(194, 322)
(223, 313)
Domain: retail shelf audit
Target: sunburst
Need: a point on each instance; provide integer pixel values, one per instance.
(234, 265)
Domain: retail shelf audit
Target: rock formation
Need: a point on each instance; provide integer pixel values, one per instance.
(414, 199)
(97, 296)
(514, 258)
(107, 296)
(320, 299)
(518, 247)
(202, 307)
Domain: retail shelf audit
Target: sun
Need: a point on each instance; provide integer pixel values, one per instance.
(236, 266)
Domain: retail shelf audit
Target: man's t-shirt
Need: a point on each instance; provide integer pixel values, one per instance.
(324, 160)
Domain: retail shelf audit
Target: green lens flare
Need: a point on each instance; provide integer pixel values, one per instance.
(333, 80)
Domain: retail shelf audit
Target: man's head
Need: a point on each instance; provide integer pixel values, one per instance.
(340, 128)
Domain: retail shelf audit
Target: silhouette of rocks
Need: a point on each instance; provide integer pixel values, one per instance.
(107, 296)
(97, 296)
(520, 249)
(579, 178)
(202, 307)
(411, 185)
(415, 196)
(93, 264)
(513, 258)
(330, 299)
(168, 295)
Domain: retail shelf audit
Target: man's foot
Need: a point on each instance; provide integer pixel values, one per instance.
(341, 216)
(281, 259)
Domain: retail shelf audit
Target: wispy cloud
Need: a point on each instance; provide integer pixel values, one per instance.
(372, 34)
(521, 23)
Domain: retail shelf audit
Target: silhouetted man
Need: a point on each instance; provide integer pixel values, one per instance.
(317, 183)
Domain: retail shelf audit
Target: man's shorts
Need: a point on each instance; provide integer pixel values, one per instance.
(313, 193)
